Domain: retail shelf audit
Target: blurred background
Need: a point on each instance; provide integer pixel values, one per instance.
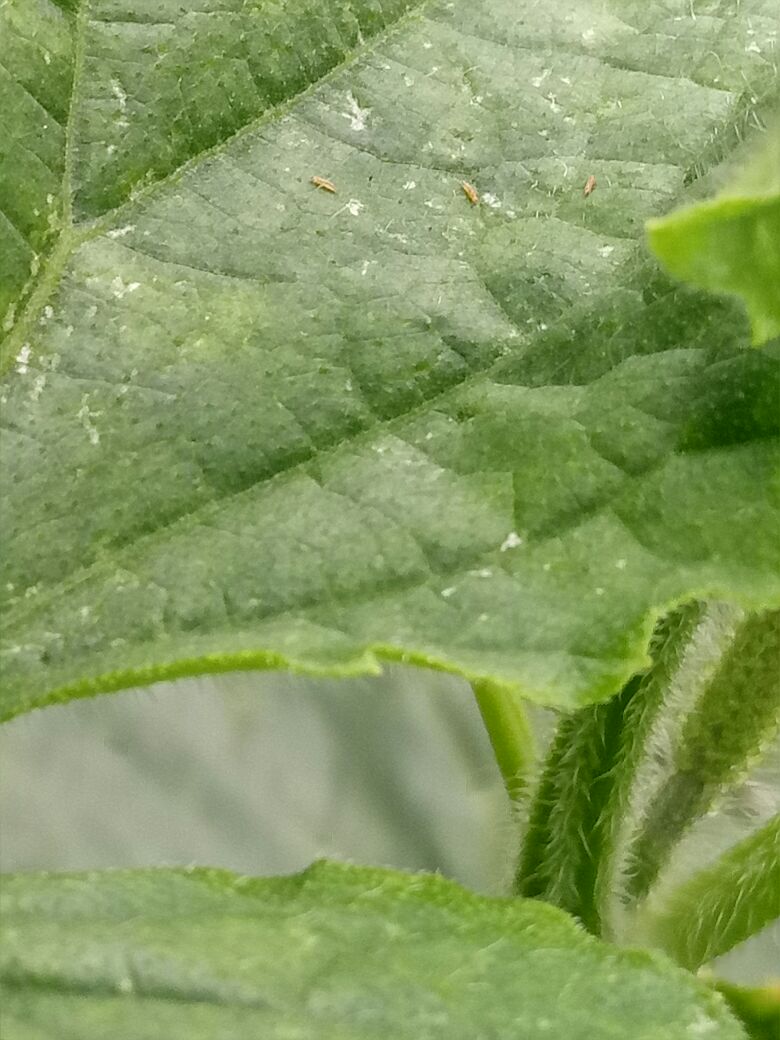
(262, 772)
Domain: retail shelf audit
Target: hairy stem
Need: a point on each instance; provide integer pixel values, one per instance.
(561, 852)
(722, 905)
(730, 723)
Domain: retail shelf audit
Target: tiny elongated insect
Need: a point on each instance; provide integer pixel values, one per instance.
(324, 183)
(590, 186)
(470, 192)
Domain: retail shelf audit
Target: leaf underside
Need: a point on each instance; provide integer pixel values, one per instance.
(252, 423)
(336, 952)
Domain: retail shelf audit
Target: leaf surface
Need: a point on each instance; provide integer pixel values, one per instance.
(251, 423)
(335, 952)
(732, 243)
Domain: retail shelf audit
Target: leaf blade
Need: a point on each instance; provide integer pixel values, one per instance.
(207, 950)
(730, 244)
(289, 449)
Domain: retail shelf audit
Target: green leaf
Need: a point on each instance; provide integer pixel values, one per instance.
(335, 952)
(722, 905)
(732, 243)
(250, 423)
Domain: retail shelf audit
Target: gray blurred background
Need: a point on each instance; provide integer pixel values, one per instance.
(264, 772)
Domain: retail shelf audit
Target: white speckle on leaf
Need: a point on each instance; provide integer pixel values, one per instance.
(449, 592)
(512, 541)
(491, 200)
(483, 572)
(599, 591)
(121, 232)
(546, 566)
(37, 388)
(47, 58)
(538, 80)
(606, 251)
(84, 612)
(121, 288)
(85, 416)
(588, 36)
(120, 94)
(23, 359)
(356, 115)
(701, 1025)
(483, 617)
(427, 45)
(410, 185)
(752, 48)
(348, 386)
(48, 312)
(621, 564)
(552, 101)
(355, 207)
(408, 81)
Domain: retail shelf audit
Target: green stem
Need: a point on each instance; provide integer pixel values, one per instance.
(737, 714)
(562, 847)
(722, 905)
(510, 736)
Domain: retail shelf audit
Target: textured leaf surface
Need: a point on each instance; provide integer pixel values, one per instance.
(253, 423)
(732, 244)
(335, 952)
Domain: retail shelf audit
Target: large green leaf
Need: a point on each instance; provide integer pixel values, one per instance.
(335, 952)
(732, 243)
(251, 423)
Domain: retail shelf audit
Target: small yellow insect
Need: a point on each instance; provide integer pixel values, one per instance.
(590, 186)
(470, 192)
(324, 183)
